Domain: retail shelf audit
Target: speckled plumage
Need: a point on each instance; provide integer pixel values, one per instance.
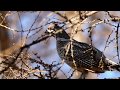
(82, 54)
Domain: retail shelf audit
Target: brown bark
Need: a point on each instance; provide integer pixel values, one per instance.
(4, 33)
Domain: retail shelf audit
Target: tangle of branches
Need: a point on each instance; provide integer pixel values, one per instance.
(24, 45)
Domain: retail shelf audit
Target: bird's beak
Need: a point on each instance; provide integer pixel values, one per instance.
(46, 32)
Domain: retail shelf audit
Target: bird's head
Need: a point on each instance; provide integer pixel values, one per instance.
(54, 29)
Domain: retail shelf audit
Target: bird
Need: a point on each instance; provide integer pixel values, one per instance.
(79, 55)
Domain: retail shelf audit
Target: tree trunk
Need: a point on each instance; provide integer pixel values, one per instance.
(4, 33)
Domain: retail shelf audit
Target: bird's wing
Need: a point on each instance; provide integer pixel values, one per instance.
(87, 56)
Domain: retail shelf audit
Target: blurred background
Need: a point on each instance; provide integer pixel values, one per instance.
(24, 27)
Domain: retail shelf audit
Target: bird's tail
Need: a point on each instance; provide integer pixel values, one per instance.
(112, 65)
